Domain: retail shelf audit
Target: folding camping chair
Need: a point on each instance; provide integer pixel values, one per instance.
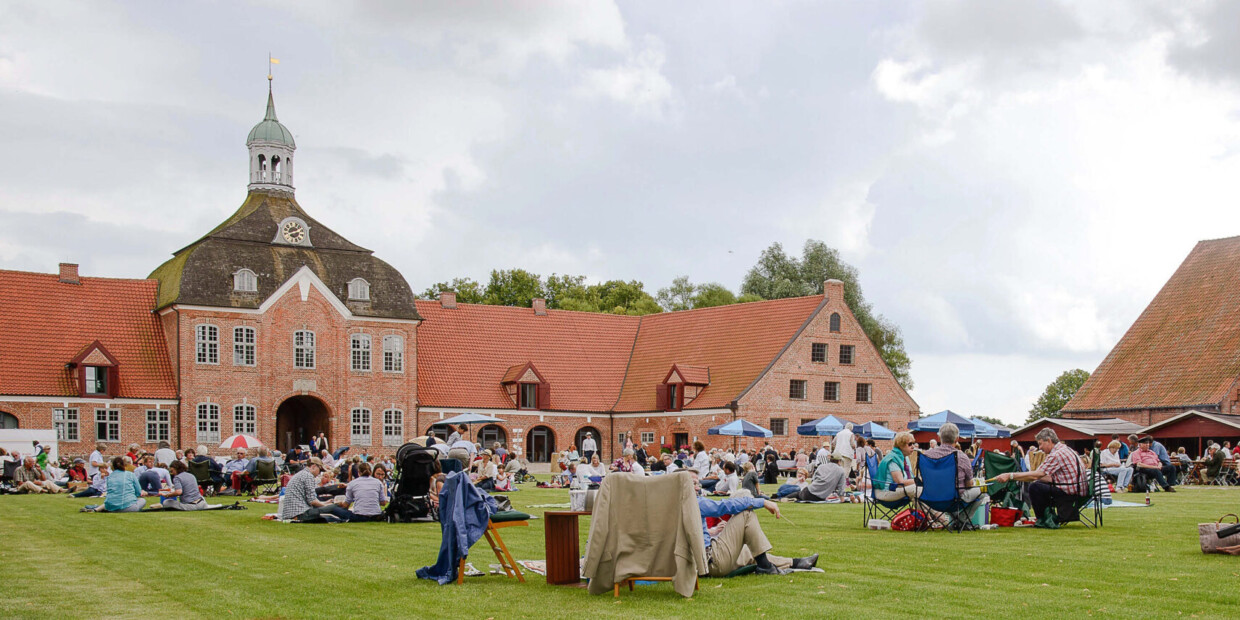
(500, 520)
(1085, 508)
(202, 472)
(875, 508)
(1003, 493)
(937, 478)
(266, 481)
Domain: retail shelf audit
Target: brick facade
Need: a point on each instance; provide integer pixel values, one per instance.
(274, 378)
(132, 423)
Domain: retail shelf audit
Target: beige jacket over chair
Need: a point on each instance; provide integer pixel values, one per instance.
(645, 526)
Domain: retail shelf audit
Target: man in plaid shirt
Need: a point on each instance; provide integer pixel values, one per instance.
(1060, 475)
(300, 501)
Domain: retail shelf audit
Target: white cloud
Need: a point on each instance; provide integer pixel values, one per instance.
(637, 82)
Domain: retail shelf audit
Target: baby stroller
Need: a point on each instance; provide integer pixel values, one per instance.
(414, 467)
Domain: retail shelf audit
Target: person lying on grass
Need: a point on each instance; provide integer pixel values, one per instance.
(739, 541)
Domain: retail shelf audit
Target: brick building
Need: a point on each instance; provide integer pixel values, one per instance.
(275, 326)
(1181, 354)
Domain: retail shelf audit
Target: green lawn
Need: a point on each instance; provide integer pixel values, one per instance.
(1145, 561)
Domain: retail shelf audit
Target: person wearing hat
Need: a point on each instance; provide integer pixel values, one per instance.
(1145, 463)
(588, 446)
(300, 501)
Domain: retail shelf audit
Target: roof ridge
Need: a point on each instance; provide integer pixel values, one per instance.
(733, 305)
(80, 278)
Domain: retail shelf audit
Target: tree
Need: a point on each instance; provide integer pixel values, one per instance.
(678, 296)
(986, 418)
(467, 291)
(514, 287)
(561, 289)
(777, 275)
(620, 297)
(1057, 394)
(713, 294)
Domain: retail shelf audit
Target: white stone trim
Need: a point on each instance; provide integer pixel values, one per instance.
(65, 401)
(500, 413)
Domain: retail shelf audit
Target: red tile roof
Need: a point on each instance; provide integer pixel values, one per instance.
(45, 323)
(464, 353)
(693, 375)
(736, 342)
(1184, 349)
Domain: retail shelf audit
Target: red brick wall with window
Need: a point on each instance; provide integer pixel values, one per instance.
(39, 415)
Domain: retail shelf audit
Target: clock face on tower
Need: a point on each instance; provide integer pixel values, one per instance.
(293, 231)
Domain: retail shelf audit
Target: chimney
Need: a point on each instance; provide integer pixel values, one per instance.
(833, 289)
(540, 307)
(447, 299)
(69, 273)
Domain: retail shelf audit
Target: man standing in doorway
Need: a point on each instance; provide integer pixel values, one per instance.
(588, 447)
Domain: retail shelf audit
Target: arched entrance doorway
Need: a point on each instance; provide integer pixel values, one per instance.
(580, 440)
(8, 420)
(491, 433)
(540, 444)
(299, 419)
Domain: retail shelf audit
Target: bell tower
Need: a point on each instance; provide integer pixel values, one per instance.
(271, 152)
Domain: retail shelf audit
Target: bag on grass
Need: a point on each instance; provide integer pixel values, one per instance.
(908, 520)
(1208, 532)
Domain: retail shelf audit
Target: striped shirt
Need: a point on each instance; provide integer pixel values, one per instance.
(1065, 470)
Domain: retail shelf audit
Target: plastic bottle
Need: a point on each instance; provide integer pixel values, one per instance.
(1147, 497)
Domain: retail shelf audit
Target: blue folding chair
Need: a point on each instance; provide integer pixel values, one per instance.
(937, 478)
(875, 508)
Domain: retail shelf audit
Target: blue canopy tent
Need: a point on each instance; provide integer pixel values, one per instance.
(829, 426)
(874, 430)
(985, 430)
(931, 423)
(739, 428)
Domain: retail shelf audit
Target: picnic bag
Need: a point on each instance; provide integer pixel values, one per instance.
(908, 520)
(1208, 532)
(1004, 517)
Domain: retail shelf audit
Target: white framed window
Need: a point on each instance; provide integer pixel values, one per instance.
(647, 437)
(65, 421)
(244, 346)
(208, 423)
(207, 338)
(359, 289)
(393, 427)
(303, 349)
(360, 429)
(359, 347)
(108, 425)
(158, 425)
(245, 420)
(244, 281)
(393, 354)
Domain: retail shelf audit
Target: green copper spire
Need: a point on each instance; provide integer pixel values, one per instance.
(271, 105)
(270, 130)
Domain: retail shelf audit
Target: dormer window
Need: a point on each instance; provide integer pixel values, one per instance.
(529, 395)
(526, 387)
(682, 384)
(96, 380)
(359, 290)
(244, 281)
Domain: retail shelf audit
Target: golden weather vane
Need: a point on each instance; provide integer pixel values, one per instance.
(271, 61)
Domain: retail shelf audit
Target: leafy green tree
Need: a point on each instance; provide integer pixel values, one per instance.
(620, 297)
(678, 296)
(1057, 394)
(748, 297)
(514, 287)
(986, 418)
(467, 291)
(561, 289)
(712, 294)
(777, 275)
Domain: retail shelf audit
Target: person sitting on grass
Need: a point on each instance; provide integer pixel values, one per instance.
(150, 477)
(77, 478)
(487, 472)
(183, 493)
(124, 493)
(1059, 475)
(828, 479)
(669, 463)
(894, 478)
(98, 484)
(1145, 462)
(749, 480)
(432, 496)
(30, 479)
(517, 464)
(728, 482)
(365, 497)
(791, 489)
(380, 473)
(300, 502)
(739, 541)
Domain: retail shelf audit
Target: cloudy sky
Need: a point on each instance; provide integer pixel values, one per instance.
(1014, 181)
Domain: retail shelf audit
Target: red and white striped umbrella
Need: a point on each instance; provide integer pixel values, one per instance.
(241, 441)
